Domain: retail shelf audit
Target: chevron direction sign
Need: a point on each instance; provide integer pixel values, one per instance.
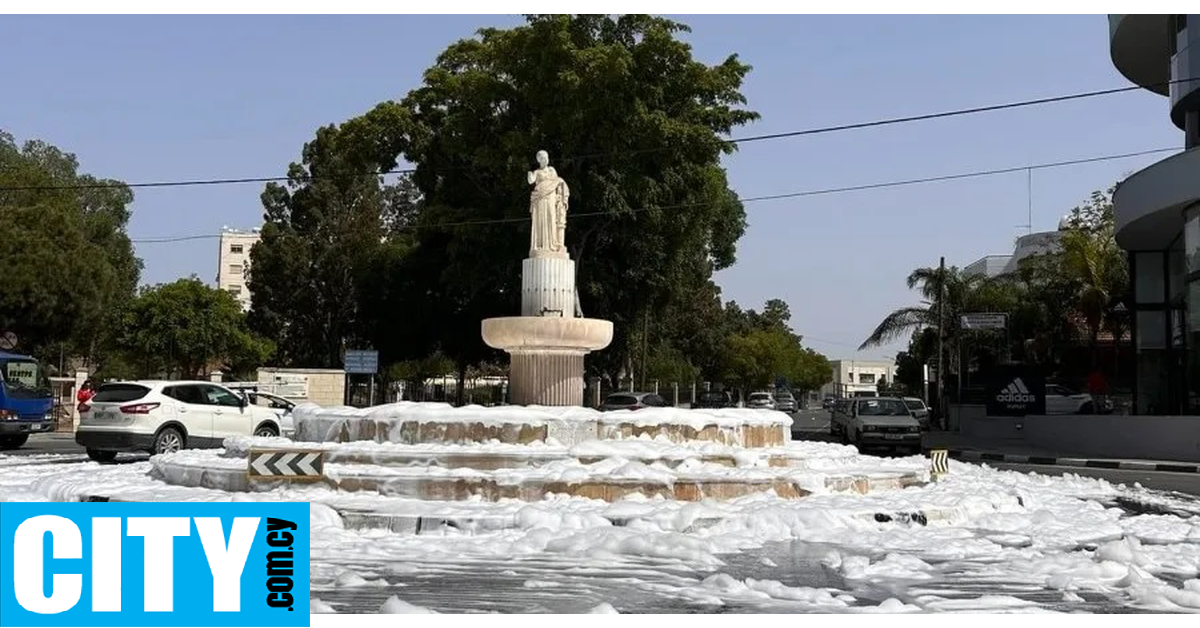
(296, 465)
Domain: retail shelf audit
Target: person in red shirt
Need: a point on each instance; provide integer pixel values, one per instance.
(86, 392)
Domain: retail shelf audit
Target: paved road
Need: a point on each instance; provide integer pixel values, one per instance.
(814, 425)
(53, 443)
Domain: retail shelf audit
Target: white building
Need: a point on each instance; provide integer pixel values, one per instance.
(851, 376)
(233, 262)
(1026, 245)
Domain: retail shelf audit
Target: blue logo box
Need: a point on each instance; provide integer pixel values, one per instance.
(154, 564)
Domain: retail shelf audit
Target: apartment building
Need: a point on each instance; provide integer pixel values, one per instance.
(233, 262)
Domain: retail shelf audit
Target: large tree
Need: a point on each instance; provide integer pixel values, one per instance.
(184, 327)
(69, 267)
(635, 125)
(327, 234)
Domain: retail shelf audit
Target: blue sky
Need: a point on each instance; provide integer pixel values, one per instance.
(167, 98)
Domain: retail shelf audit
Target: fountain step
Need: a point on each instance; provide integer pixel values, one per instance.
(426, 423)
(490, 457)
(609, 481)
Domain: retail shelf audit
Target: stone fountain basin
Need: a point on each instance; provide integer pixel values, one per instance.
(547, 333)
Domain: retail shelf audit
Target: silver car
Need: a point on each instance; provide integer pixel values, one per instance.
(761, 401)
(785, 402)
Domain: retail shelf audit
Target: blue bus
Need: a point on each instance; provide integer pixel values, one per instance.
(26, 400)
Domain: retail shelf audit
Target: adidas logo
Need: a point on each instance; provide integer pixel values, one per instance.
(1016, 392)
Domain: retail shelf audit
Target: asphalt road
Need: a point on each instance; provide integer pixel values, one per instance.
(814, 425)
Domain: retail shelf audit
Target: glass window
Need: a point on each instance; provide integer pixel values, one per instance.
(1178, 273)
(1151, 330)
(1148, 277)
(186, 394)
(119, 393)
(235, 248)
(866, 378)
(216, 396)
(235, 269)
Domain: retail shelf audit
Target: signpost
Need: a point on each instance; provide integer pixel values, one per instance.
(296, 465)
(363, 362)
(984, 320)
(939, 463)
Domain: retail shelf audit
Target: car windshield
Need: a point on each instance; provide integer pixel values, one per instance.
(760, 397)
(119, 393)
(712, 396)
(882, 407)
(783, 395)
(24, 378)
(914, 404)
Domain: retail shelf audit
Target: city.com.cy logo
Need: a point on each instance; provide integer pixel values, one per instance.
(154, 564)
(1016, 392)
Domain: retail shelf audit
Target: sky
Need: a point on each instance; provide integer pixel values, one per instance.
(190, 97)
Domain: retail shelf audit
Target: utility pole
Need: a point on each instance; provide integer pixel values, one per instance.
(645, 335)
(941, 371)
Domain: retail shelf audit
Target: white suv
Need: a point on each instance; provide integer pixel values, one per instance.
(162, 417)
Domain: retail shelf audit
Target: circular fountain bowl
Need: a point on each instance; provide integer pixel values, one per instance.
(547, 333)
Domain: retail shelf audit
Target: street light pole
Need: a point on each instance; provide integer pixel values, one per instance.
(941, 371)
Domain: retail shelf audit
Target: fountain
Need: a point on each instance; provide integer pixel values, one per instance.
(548, 341)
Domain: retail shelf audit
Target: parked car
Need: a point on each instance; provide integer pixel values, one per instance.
(26, 401)
(714, 399)
(166, 416)
(761, 401)
(877, 422)
(1063, 400)
(632, 401)
(828, 402)
(785, 402)
(864, 393)
(282, 407)
(919, 410)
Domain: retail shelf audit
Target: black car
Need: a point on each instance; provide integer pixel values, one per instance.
(828, 403)
(714, 399)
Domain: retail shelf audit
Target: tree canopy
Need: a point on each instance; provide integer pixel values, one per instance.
(69, 267)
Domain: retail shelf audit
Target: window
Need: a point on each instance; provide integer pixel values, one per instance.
(216, 396)
(234, 290)
(866, 378)
(235, 248)
(1148, 280)
(235, 269)
(119, 393)
(186, 394)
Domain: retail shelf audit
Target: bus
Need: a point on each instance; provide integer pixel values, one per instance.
(26, 400)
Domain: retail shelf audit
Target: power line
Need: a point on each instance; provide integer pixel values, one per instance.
(757, 199)
(734, 141)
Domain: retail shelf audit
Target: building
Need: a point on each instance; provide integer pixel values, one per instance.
(1157, 214)
(1026, 245)
(853, 376)
(233, 262)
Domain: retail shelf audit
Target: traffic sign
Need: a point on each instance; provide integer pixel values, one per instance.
(984, 320)
(286, 464)
(362, 362)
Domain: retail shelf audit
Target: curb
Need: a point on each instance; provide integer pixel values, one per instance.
(1125, 465)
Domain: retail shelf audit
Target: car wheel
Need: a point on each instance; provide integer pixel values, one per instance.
(1087, 408)
(266, 430)
(13, 442)
(168, 441)
(100, 455)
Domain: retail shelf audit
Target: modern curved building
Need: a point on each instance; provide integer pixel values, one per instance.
(1157, 212)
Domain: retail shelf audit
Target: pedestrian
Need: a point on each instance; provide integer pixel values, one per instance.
(86, 392)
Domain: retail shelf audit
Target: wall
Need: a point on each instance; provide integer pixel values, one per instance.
(324, 387)
(1108, 436)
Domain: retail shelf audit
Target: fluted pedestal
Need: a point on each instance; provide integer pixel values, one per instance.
(548, 287)
(547, 355)
(547, 378)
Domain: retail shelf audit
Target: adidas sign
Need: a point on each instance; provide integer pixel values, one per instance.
(1016, 392)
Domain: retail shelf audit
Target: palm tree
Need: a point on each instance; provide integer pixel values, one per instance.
(963, 292)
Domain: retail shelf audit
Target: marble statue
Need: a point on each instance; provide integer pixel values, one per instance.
(548, 209)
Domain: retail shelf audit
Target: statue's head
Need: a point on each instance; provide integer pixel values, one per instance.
(543, 158)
